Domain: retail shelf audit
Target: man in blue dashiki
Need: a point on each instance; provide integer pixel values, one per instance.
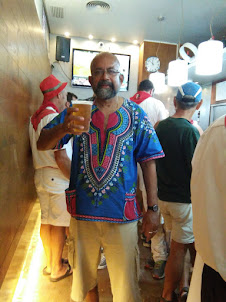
(102, 192)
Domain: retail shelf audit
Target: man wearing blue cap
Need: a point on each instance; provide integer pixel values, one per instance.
(178, 138)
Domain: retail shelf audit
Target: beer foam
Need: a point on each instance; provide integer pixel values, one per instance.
(80, 102)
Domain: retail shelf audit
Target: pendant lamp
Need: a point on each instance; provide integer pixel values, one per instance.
(158, 80)
(210, 57)
(177, 73)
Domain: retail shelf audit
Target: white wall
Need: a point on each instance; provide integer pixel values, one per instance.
(63, 70)
(43, 21)
(39, 7)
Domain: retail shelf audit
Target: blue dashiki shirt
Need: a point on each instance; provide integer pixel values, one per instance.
(104, 164)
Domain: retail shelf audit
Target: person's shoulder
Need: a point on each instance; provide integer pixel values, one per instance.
(133, 105)
(128, 102)
(163, 124)
(157, 101)
(218, 126)
(137, 111)
(165, 121)
(221, 121)
(49, 116)
(187, 126)
(194, 130)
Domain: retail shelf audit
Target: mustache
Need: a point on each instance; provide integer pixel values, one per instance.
(104, 82)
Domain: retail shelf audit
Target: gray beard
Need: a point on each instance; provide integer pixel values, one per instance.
(105, 93)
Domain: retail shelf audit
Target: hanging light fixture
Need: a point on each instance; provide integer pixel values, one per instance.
(209, 58)
(158, 80)
(178, 69)
(210, 55)
(177, 73)
(192, 48)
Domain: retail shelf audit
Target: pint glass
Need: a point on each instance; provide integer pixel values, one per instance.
(85, 108)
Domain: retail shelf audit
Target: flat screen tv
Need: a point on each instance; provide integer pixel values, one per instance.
(81, 67)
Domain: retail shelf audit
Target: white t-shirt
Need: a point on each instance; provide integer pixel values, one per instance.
(154, 109)
(208, 196)
(48, 176)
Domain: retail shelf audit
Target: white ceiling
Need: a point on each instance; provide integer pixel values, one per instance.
(127, 20)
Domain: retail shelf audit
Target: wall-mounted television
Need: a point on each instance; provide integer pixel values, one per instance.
(81, 67)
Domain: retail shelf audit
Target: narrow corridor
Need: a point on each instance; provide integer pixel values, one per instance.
(24, 281)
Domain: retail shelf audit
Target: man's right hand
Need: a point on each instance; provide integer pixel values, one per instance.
(69, 127)
(49, 137)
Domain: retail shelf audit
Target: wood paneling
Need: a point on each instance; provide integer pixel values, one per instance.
(165, 52)
(23, 65)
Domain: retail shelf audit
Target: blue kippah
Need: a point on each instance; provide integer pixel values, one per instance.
(189, 92)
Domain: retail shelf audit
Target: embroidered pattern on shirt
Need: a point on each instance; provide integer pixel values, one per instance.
(102, 167)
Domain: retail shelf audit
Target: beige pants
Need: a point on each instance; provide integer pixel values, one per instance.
(122, 255)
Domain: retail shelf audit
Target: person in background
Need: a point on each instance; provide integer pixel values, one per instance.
(154, 108)
(155, 111)
(71, 97)
(102, 191)
(196, 125)
(52, 173)
(208, 194)
(178, 138)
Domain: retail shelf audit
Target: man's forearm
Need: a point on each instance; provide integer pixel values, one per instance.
(49, 137)
(150, 218)
(150, 181)
(63, 162)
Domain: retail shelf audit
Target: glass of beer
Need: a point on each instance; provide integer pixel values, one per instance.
(85, 108)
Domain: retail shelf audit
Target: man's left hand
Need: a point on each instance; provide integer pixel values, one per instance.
(150, 224)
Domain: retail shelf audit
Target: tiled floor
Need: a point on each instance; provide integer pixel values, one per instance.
(24, 281)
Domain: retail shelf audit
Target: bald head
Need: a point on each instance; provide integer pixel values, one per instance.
(104, 56)
(105, 78)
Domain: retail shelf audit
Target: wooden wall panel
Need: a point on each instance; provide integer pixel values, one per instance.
(23, 65)
(166, 53)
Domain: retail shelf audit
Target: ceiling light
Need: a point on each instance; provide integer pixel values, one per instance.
(67, 34)
(210, 55)
(113, 40)
(135, 42)
(158, 80)
(90, 37)
(177, 73)
(161, 18)
(184, 54)
(209, 58)
(178, 69)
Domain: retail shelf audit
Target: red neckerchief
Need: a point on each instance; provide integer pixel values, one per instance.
(140, 96)
(42, 112)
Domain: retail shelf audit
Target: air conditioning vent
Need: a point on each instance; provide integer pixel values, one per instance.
(95, 5)
(57, 12)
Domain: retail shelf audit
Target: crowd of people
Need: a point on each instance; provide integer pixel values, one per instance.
(129, 141)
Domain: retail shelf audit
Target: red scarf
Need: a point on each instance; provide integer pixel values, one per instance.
(140, 96)
(42, 112)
